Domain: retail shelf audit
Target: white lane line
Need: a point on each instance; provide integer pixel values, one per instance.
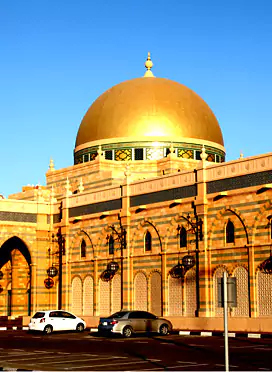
(240, 347)
(154, 360)
(180, 361)
(223, 365)
(188, 365)
(76, 361)
(167, 343)
(196, 345)
(106, 365)
(263, 348)
(31, 358)
(141, 342)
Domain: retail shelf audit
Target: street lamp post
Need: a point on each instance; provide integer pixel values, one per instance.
(52, 271)
(189, 261)
(112, 267)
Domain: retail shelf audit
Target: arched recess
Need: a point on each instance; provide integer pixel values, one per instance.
(264, 290)
(190, 292)
(15, 263)
(75, 251)
(88, 296)
(77, 295)
(139, 235)
(140, 291)
(155, 293)
(241, 275)
(175, 296)
(116, 293)
(104, 298)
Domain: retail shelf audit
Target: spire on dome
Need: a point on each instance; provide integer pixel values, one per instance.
(148, 65)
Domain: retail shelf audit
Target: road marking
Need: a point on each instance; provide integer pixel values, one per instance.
(196, 345)
(154, 360)
(31, 358)
(141, 342)
(105, 365)
(179, 361)
(240, 347)
(223, 365)
(263, 348)
(76, 361)
(167, 343)
(188, 365)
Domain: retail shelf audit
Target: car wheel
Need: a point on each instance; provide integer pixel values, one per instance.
(127, 332)
(48, 329)
(164, 329)
(80, 327)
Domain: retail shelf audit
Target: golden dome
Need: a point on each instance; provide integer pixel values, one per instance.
(146, 108)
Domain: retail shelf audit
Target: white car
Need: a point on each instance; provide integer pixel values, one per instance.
(56, 320)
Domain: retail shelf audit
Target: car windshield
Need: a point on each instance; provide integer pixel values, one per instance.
(39, 314)
(118, 315)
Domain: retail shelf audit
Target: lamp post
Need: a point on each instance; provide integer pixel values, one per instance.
(52, 271)
(189, 261)
(113, 267)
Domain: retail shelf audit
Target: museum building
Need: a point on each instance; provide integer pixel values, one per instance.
(149, 217)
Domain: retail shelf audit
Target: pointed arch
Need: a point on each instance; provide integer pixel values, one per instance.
(111, 244)
(140, 291)
(77, 295)
(182, 237)
(148, 241)
(156, 293)
(88, 294)
(83, 246)
(230, 232)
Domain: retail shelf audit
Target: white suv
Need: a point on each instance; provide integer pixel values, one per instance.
(56, 320)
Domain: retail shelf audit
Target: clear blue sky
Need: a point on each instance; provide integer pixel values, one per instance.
(57, 57)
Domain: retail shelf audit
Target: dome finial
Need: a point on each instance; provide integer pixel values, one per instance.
(148, 65)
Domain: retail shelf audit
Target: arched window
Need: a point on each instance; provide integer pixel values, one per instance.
(183, 237)
(83, 248)
(148, 241)
(111, 245)
(230, 232)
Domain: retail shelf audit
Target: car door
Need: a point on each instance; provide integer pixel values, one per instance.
(55, 320)
(137, 321)
(150, 321)
(69, 321)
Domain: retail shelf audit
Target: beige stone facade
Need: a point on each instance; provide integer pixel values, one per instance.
(85, 200)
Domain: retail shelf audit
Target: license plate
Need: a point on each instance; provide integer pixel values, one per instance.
(105, 323)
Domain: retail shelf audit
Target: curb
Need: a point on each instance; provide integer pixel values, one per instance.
(230, 334)
(181, 333)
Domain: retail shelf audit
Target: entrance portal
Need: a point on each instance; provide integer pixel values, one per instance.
(15, 264)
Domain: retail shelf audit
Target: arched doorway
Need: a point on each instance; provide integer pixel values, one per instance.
(15, 264)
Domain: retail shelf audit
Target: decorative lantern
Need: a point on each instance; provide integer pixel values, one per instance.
(177, 271)
(188, 261)
(52, 271)
(113, 266)
(107, 275)
(1, 289)
(1, 274)
(48, 283)
(266, 266)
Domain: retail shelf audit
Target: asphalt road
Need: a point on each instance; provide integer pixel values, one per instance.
(20, 350)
